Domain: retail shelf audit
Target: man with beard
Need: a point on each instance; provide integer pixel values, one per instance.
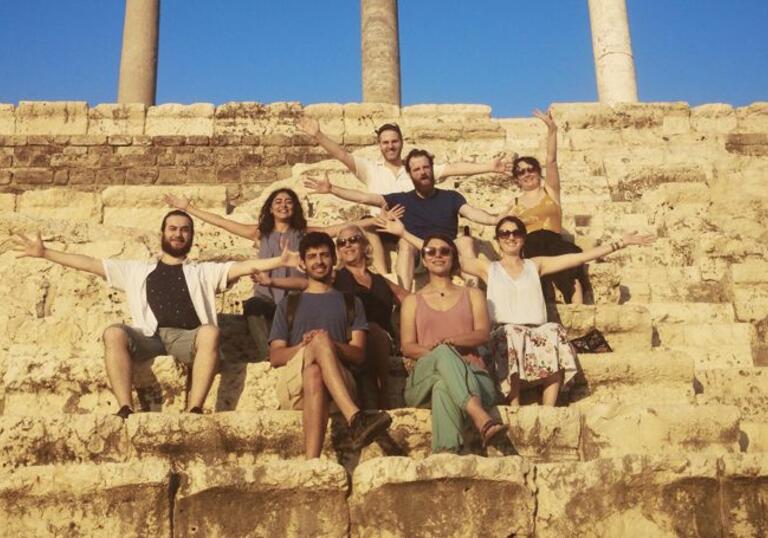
(172, 303)
(428, 210)
(389, 174)
(315, 337)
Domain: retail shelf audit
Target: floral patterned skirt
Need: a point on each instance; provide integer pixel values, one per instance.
(533, 353)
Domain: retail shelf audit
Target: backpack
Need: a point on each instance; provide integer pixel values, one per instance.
(294, 298)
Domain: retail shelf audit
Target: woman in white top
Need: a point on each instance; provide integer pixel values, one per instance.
(525, 346)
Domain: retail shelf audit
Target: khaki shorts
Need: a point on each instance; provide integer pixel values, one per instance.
(167, 341)
(290, 383)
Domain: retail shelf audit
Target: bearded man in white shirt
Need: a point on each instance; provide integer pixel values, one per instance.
(172, 303)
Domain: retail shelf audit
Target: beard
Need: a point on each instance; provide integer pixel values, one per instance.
(179, 252)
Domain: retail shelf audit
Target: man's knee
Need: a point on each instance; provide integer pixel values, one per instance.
(115, 335)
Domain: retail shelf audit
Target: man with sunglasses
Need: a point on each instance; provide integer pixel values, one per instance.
(428, 209)
(313, 343)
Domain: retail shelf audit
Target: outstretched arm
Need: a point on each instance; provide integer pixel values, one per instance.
(288, 258)
(249, 231)
(553, 264)
(34, 248)
(311, 128)
(552, 181)
(324, 186)
(480, 216)
(499, 165)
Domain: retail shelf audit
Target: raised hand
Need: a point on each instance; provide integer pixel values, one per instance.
(179, 202)
(288, 258)
(262, 278)
(308, 126)
(503, 164)
(28, 248)
(393, 226)
(635, 238)
(546, 117)
(318, 186)
(396, 212)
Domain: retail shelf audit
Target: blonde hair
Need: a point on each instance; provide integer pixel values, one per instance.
(367, 252)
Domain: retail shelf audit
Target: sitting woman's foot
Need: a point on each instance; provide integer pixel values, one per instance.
(490, 430)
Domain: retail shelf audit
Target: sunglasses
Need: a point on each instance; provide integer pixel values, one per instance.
(522, 171)
(354, 240)
(506, 234)
(434, 251)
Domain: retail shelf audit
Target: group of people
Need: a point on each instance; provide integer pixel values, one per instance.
(472, 348)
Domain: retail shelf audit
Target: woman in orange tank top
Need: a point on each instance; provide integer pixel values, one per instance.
(538, 206)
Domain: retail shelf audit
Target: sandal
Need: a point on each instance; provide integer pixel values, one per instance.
(490, 430)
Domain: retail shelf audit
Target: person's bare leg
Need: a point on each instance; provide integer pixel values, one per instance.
(480, 418)
(513, 398)
(378, 253)
(117, 360)
(377, 351)
(320, 352)
(405, 257)
(315, 412)
(578, 293)
(466, 248)
(205, 365)
(551, 390)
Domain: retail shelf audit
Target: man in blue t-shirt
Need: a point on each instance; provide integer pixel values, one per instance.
(428, 209)
(314, 344)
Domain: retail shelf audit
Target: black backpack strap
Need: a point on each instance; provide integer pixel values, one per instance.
(349, 309)
(291, 306)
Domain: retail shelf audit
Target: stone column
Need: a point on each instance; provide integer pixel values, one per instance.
(381, 51)
(614, 63)
(138, 60)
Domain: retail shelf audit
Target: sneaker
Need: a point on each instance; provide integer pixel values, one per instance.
(124, 412)
(366, 426)
(197, 410)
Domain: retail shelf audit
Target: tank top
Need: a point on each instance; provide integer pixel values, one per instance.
(545, 215)
(269, 247)
(434, 325)
(519, 300)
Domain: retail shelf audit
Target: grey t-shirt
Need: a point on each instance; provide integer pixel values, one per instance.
(269, 247)
(317, 311)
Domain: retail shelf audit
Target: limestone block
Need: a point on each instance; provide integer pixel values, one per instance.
(625, 326)
(61, 204)
(754, 436)
(745, 490)
(677, 193)
(245, 387)
(707, 335)
(753, 118)
(61, 439)
(7, 201)
(750, 272)
(129, 498)
(633, 185)
(630, 377)
(52, 118)
(536, 433)
(632, 496)
(291, 498)
(751, 302)
(7, 119)
(362, 119)
(746, 388)
(117, 119)
(713, 118)
(679, 313)
(330, 116)
(246, 118)
(175, 119)
(443, 495)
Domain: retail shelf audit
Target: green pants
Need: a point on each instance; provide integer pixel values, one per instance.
(443, 379)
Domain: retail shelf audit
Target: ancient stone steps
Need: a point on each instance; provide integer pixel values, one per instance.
(44, 384)
(535, 432)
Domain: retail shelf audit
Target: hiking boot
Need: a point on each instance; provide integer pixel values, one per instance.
(366, 426)
(124, 412)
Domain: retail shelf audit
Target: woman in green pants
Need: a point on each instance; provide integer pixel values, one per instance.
(441, 327)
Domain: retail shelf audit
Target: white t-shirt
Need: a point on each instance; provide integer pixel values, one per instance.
(203, 280)
(380, 180)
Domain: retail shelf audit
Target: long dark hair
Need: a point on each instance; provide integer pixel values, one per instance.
(267, 219)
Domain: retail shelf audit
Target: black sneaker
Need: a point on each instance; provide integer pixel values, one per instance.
(366, 426)
(197, 410)
(124, 412)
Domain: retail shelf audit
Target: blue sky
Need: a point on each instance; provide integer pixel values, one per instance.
(510, 54)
